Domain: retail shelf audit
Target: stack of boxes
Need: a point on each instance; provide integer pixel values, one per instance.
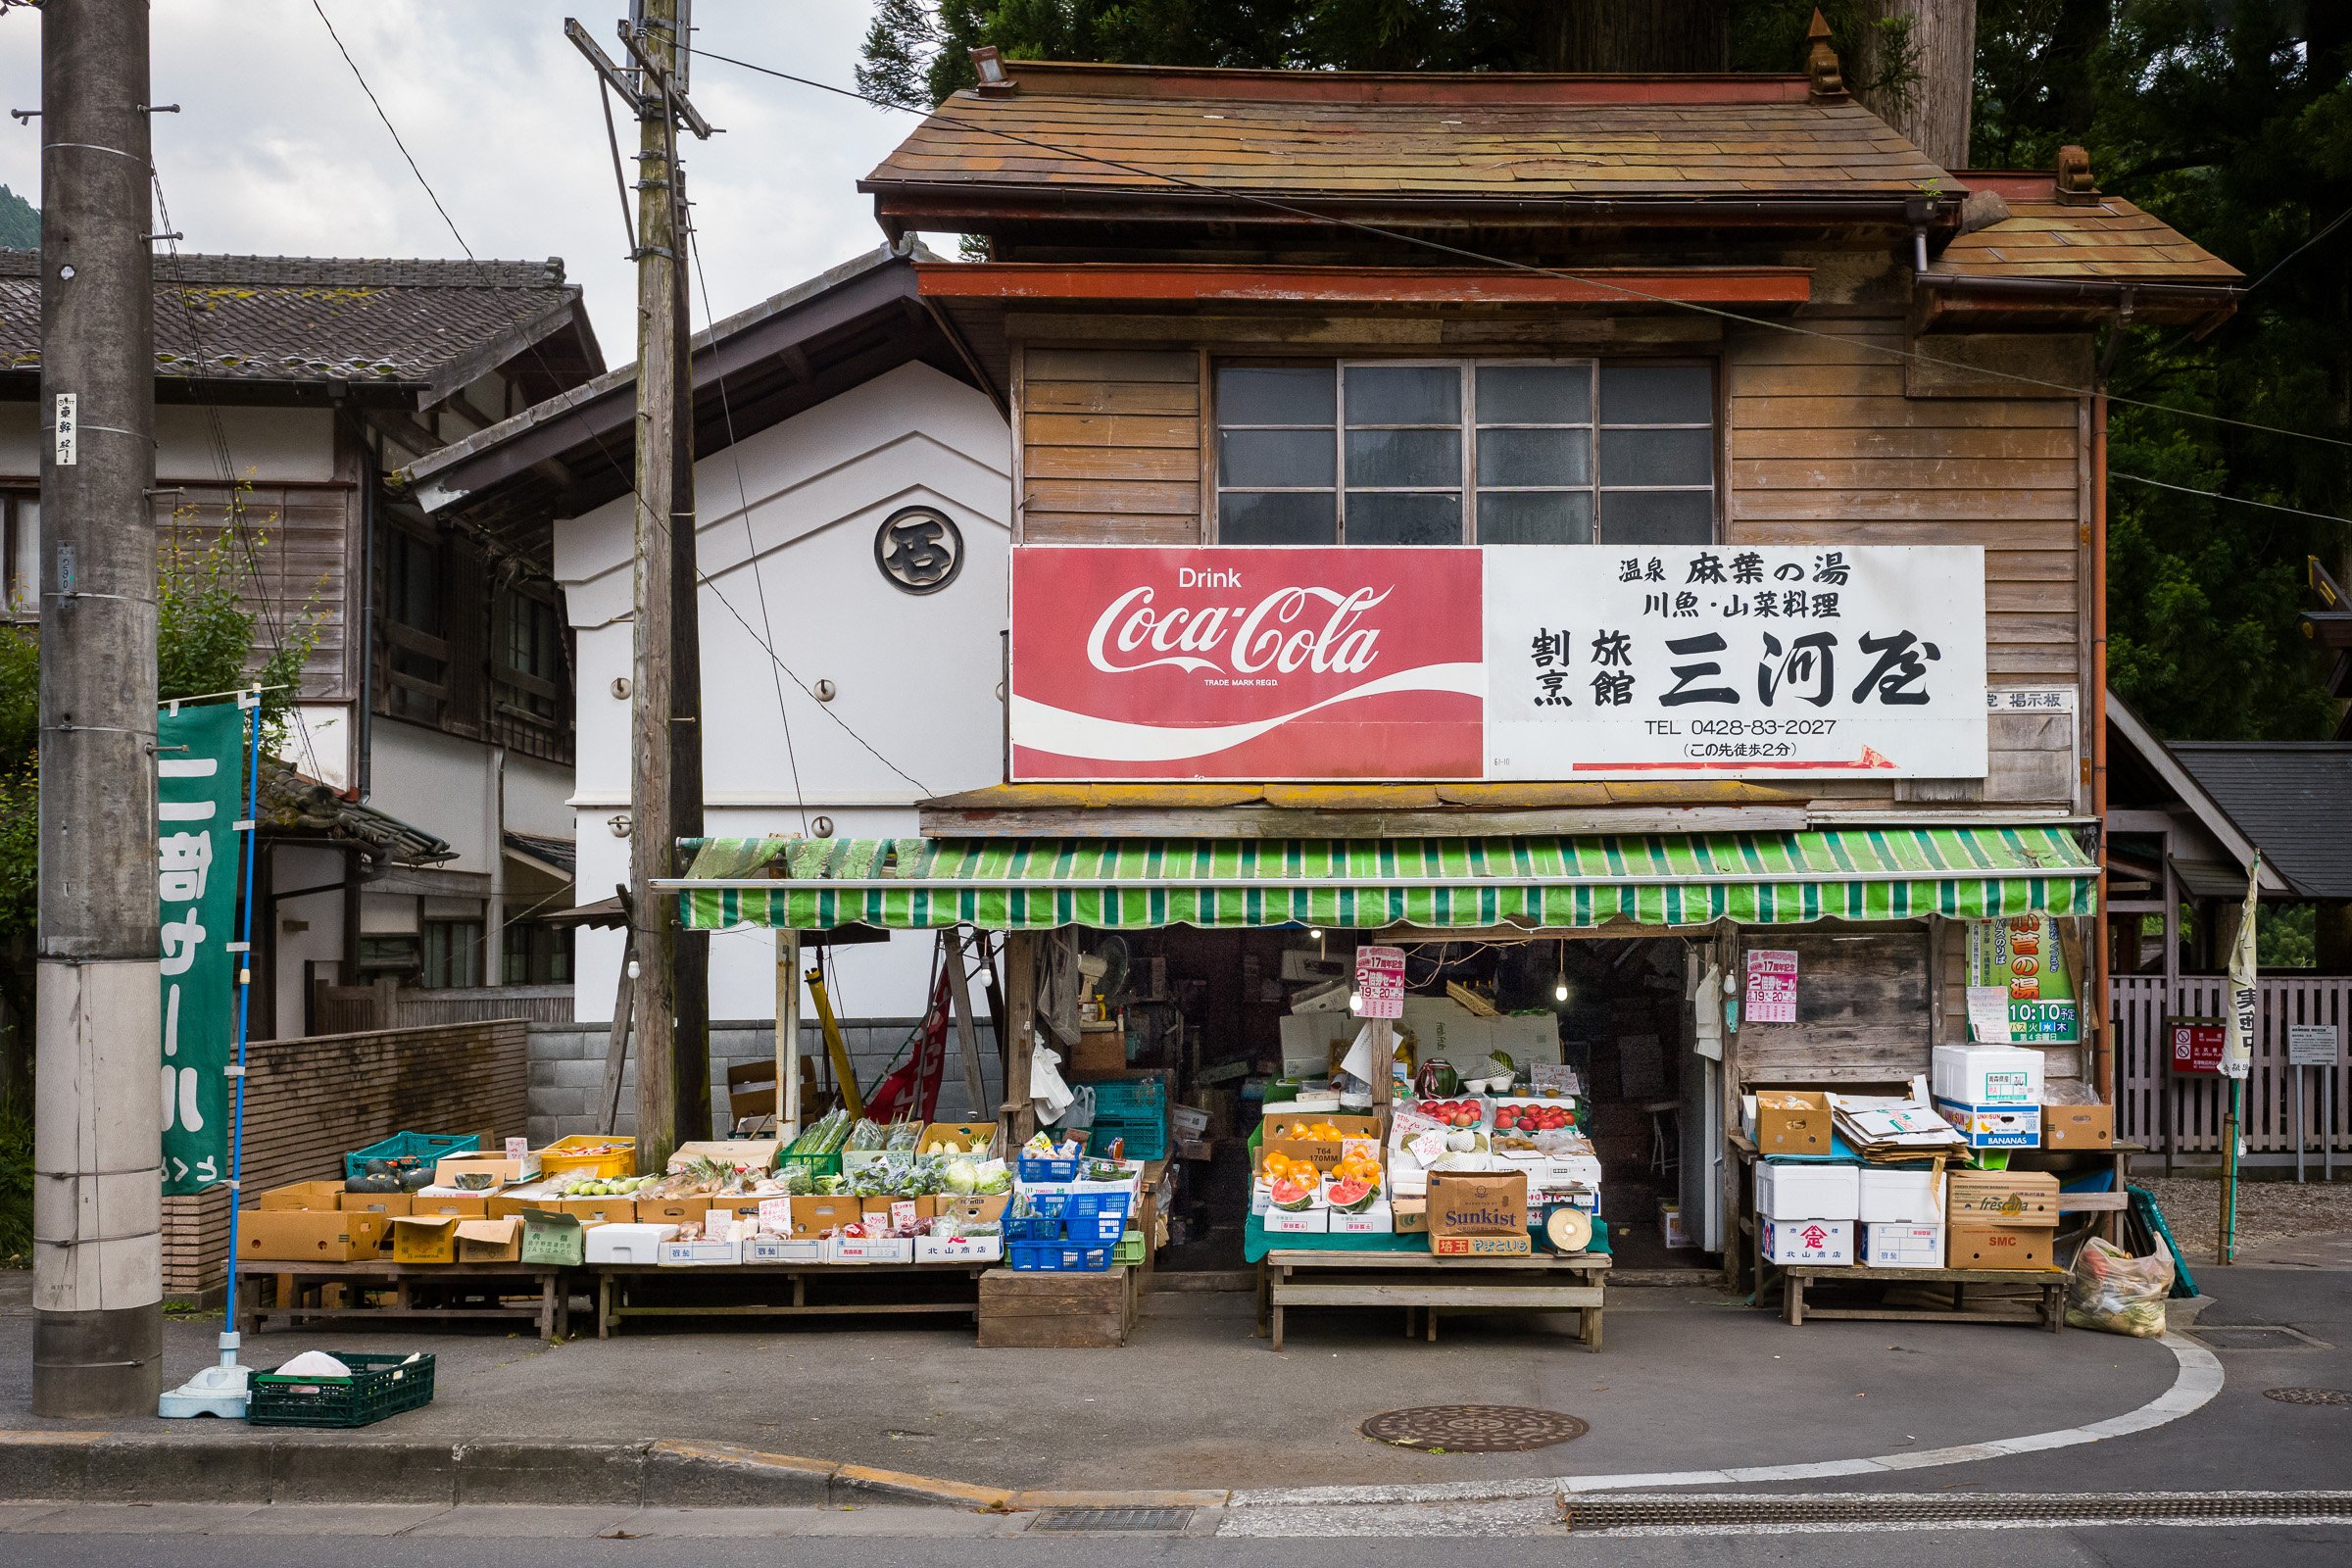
(1991, 1093)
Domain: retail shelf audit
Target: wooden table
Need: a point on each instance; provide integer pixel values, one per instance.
(618, 1283)
(2049, 1283)
(550, 1304)
(1424, 1284)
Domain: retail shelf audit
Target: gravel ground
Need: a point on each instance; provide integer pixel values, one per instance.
(2267, 1211)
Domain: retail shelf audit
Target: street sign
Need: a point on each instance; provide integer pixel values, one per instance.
(1380, 982)
(2197, 1045)
(2312, 1044)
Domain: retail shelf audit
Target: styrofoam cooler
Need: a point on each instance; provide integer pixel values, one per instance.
(1988, 1075)
(1902, 1246)
(1809, 1240)
(1808, 1191)
(1900, 1196)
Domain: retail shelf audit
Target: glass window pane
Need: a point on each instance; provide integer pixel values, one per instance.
(1403, 519)
(1656, 394)
(1535, 516)
(1657, 457)
(1535, 457)
(1404, 394)
(1657, 517)
(1245, 518)
(1432, 458)
(1534, 394)
(1264, 394)
(1275, 457)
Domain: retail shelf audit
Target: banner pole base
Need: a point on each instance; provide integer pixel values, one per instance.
(219, 1390)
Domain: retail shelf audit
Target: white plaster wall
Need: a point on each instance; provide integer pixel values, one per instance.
(266, 445)
(305, 868)
(436, 782)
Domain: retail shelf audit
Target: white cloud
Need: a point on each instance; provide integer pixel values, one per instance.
(275, 150)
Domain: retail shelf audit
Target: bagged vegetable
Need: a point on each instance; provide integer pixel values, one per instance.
(2117, 1294)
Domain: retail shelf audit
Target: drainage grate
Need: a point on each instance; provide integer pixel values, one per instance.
(2309, 1396)
(2257, 1337)
(1906, 1510)
(1163, 1520)
(1473, 1428)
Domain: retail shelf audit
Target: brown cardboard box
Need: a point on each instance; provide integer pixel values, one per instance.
(2026, 1198)
(1976, 1246)
(324, 1196)
(1464, 1204)
(669, 1210)
(389, 1204)
(1793, 1121)
(597, 1210)
(490, 1240)
(1100, 1049)
(2073, 1127)
(463, 1207)
(1412, 1215)
(308, 1235)
(508, 1200)
(962, 1134)
(1324, 1152)
(425, 1239)
(926, 1207)
(813, 1216)
(988, 1210)
(483, 1173)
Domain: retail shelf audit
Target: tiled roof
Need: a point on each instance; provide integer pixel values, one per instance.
(1431, 136)
(312, 318)
(2107, 239)
(2291, 799)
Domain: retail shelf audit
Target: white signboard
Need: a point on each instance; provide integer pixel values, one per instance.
(1734, 662)
(2312, 1044)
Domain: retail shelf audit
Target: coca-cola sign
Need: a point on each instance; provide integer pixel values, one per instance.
(1230, 663)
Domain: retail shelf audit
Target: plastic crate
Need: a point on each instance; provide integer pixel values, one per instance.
(1060, 1257)
(1146, 1138)
(588, 1154)
(380, 1386)
(1130, 1097)
(1130, 1249)
(408, 1149)
(1042, 1226)
(1087, 1218)
(1040, 1168)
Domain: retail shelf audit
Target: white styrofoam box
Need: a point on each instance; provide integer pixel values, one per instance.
(870, 1249)
(1902, 1245)
(704, 1253)
(1994, 1126)
(1671, 1229)
(784, 1250)
(1809, 1240)
(1259, 1200)
(958, 1248)
(1376, 1220)
(1900, 1196)
(1298, 1221)
(627, 1243)
(1988, 1075)
(1808, 1191)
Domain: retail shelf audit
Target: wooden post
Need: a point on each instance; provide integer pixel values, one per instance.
(959, 992)
(788, 1036)
(1019, 1113)
(1727, 959)
(1384, 1061)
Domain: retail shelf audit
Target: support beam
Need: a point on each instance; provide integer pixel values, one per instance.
(959, 992)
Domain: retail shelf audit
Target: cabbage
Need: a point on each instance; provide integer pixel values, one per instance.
(962, 1177)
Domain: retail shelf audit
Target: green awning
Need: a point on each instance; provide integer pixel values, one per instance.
(1534, 882)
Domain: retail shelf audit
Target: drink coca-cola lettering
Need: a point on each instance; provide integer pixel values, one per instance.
(1278, 633)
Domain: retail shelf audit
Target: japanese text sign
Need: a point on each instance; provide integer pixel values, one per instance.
(2024, 957)
(1380, 982)
(1504, 663)
(1771, 985)
(2312, 1044)
(2197, 1045)
(200, 751)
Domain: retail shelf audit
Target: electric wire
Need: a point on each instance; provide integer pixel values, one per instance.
(361, 77)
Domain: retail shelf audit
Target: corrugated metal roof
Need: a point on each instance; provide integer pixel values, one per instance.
(2293, 800)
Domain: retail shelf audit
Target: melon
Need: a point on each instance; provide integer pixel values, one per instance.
(1351, 1197)
(1289, 1195)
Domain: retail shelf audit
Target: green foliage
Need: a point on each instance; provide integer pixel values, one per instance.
(19, 223)
(16, 1187)
(2285, 936)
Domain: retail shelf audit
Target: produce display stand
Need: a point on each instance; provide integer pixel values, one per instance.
(1424, 1284)
(622, 1289)
(2048, 1283)
(486, 1288)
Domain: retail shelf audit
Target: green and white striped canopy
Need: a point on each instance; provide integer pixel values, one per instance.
(1537, 883)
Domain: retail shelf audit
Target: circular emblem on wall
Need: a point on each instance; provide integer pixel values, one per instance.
(919, 548)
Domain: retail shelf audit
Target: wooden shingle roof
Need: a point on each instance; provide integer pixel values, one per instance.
(2105, 238)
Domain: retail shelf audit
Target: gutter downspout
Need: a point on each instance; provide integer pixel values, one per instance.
(2101, 961)
(494, 915)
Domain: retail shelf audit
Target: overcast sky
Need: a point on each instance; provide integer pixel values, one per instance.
(275, 150)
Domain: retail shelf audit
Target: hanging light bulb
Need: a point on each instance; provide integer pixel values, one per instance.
(1355, 1002)
(1559, 985)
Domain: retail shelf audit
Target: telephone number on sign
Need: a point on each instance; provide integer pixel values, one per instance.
(1763, 727)
(1761, 749)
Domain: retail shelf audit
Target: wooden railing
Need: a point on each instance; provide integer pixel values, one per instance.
(2140, 1005)
(388, 1005)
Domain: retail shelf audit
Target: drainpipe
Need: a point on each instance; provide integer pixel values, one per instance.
(2102, 961)
(494, 918)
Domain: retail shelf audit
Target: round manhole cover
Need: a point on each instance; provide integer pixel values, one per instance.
(1473, 1428)
(2309, 1396)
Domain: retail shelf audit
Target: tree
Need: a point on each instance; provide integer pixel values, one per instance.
(19, 223)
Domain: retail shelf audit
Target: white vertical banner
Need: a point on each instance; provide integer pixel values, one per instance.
(2237, 1052)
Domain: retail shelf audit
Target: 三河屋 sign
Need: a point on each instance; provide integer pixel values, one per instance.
(1504, 663)
(200, 752)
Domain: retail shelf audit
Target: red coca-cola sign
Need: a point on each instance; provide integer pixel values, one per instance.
(1245, 664)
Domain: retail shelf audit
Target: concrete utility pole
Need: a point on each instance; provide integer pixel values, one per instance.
(665, 780)
(97, 1197)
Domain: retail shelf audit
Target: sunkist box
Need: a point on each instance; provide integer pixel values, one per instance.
(1478, 1214)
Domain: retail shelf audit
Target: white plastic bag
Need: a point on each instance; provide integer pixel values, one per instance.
(2117, 1294)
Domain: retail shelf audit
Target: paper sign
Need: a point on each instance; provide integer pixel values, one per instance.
(2312, 1044)
(1552, 1075)
(902, 1214)
(1771, 985)
(1380, 982)
(517, 1147)
(2024, 957)
(1988, 1015)
(776, 1211)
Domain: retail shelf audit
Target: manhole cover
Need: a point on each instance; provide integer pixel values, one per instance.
(1145, 1519)
(2257, 1337)
(2309, 1396)
(1473, 1428)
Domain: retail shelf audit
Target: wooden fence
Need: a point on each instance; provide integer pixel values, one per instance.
(2141, 1006)
(388, 1005)
(311, 1100)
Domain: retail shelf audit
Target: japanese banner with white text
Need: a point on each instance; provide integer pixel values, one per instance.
(200, 751)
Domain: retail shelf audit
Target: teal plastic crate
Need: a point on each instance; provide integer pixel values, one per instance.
(408, 1149)
(1146, 1134)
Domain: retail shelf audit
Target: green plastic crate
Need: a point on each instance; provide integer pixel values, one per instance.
(1130, 1249)
(380, 1386)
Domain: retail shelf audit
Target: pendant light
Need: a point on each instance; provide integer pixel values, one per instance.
(1559, 985)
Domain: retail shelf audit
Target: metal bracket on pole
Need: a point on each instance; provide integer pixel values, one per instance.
(674, 96)
(614, 77)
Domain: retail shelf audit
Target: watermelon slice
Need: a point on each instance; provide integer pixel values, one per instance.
(1351, 1197)
(1290, 1196)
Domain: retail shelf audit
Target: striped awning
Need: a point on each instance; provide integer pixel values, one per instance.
(1534, 882)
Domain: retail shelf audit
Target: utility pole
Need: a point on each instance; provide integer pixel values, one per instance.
(666, 781)
(97, 1201)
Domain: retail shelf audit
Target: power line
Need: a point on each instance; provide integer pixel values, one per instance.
(1507, 262)
(2241, 501)
(2332, 226)
(394, 129)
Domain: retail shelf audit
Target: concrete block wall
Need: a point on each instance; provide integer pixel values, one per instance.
(567, 1070)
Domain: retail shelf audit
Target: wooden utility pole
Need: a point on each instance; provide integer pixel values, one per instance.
(672, 1024)
(97, 1201)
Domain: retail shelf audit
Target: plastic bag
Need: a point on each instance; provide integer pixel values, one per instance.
(2117, 1294)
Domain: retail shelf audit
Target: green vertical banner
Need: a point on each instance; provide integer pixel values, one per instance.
(200, 754)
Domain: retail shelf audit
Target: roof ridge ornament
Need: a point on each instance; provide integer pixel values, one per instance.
(989, 67)
(2075, 186)
(1822, 70)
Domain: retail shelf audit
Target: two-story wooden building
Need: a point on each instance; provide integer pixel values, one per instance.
(1588, 529)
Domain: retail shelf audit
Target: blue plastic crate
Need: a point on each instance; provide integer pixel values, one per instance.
(1089, 1218)
(1039, 1168)
(1042, 1226)
(1064, 1257)
(408, 1149)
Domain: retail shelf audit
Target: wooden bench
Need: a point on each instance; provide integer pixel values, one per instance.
(1425, 1284)
(485, 1288)
(622, 1289)
(2050, 1285)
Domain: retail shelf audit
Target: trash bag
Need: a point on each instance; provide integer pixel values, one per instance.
(2117, 1294)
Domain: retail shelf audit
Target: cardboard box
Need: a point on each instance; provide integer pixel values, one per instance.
(2018, 1246)
(490, 1240)
(1519, 1245)
(1671, 1229)
(1100, 1049)
(1314, 1221)
(308, 1235)
(1375, 1219)
(324, 1196)
(2005, 1198)
(559, 1241)
(1890, 1196)
(1896, 1246)
(978, 1211)
(962, 1134)
(813, 1216)
(438, 1207)
(958, 1248)
(599, 1211)
(925, 1207)
(1987, 1075)
(1324, 1152)
(431, 1239)
(1809, 1240)
(783, 1250)
(483, 1172)
(389, 1204)
(2073, 1127)
(704, 1253)
(870, 1249)
(1412, 1215)
(1808, 1192)
(1486, 1205)
(514, 1200)
(628, 1243)
(667, 1211)
(1994, 1126)
(1791, 1121)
